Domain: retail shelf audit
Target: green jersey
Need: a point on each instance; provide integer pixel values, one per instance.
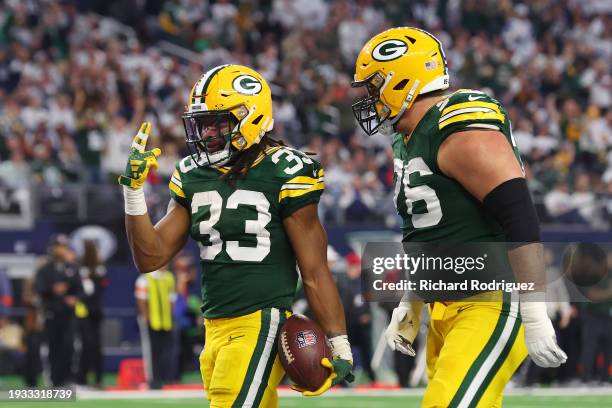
(435, 207)
(247, 260)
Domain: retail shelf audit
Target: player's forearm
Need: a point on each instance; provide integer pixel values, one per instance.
(145, 243)
(527, 262)
(324, 301)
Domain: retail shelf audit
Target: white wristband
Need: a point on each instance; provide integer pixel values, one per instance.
(341, 348)
(534, 315)
(134, 200)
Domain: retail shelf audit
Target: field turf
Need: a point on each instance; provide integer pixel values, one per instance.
(327, 402)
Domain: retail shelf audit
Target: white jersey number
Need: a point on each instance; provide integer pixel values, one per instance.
(291, 158)
(256, 227)
(413, 194)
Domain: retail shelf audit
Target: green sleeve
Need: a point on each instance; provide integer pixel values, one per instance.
(471, 111)
(302, 188)
(176, 189)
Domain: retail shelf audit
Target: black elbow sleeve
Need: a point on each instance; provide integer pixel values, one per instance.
(511, 205)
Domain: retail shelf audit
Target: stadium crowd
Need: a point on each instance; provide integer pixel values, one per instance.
(77, 78)
(74, 85)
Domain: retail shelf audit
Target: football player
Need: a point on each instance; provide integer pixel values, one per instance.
(251, 205)
(454, 153)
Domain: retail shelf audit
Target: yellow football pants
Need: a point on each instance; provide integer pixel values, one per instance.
(473, 349)
(239, 363)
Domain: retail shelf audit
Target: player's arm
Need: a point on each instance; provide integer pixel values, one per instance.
(152, 245)
(483, 162)
(309, 242)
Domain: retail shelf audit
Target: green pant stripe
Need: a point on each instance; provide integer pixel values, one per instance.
(259, 347)
(266, 376)
(469, 377)
(498, 363)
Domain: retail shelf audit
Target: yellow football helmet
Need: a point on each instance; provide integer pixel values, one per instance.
(233, 101)
(396, 66)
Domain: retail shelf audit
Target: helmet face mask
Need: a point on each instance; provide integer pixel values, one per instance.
(209, 135)
(370, 111)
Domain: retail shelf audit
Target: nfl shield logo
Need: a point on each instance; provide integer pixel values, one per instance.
(305, 338)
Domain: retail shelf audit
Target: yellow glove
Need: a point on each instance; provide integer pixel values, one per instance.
(139, 160)
(340, 370)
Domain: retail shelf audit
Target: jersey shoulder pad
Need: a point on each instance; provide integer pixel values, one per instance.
(300, 179)
(183, 167)
(467, 108)
(290, 163)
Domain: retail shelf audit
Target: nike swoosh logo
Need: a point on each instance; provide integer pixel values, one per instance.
(473, 98)
(230, 338)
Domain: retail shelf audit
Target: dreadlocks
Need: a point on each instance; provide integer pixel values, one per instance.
(241, 162)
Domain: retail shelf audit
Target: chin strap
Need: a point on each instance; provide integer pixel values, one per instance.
(409, 98)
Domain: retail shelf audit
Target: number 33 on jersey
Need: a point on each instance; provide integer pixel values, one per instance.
(247, 261)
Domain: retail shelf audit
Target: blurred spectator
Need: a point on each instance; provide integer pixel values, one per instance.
(155, 294)
(560, 206)
(32, 327)
(11, 346)
(91, 142)
(188, 328)
(6, 294)
(583, 198)
(596, 316)
(358, 314)
(89, 314)
(59, 288)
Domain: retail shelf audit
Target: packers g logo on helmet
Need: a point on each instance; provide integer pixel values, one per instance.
(247, 85)
(389, 50)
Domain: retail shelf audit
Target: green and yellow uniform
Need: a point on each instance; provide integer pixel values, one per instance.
(434, 207)
(469, 365)
(249, 274)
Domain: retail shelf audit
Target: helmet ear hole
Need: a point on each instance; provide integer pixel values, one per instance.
(257, 120)
(401, 85)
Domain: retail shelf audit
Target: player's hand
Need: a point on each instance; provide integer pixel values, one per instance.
(139, 160)
(404, 327)
(540, 333)
(341, 370)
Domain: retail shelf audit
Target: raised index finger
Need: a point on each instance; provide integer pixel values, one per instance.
(140, 140)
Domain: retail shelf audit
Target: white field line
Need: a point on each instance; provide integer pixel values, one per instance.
(190, 394)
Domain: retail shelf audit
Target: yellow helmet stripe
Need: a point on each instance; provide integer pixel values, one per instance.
(202, 85)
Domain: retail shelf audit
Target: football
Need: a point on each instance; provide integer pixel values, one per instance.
(301, 346)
